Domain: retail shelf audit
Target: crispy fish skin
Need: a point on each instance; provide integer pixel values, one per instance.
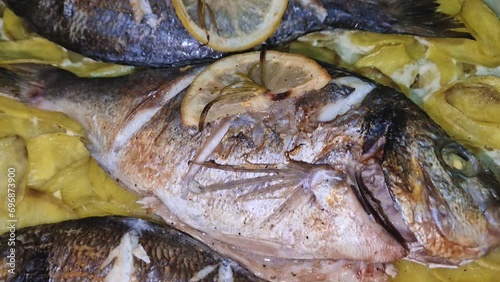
(81, 250)
(107, 30)
(293, 186)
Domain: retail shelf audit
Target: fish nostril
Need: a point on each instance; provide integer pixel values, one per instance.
(460, 159)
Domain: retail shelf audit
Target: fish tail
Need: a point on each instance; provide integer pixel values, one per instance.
(27, 82)
(415, 17)
(422, 18)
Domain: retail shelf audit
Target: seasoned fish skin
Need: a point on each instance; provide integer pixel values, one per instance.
(291, 187)
(78, 249)
(107, 30)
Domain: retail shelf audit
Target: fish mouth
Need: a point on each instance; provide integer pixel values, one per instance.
(372, 192)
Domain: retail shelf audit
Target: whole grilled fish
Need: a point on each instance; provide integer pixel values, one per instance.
(329, 185)
(112, 249)
(107, 30)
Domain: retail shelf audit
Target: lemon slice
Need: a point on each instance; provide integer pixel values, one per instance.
(229, 26)
(237, 84)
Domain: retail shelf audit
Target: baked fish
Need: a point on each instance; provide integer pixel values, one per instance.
(112, 249)
(334, 184)
(108, 31)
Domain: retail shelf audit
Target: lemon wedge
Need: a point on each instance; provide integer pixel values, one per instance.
(229, 26)
(249, 82)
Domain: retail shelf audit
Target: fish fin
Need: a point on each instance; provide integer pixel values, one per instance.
(394, 16)
(26, 82)
(274, 174)
(240, 183)
(422, 18)
(268, 191)
(297, 197)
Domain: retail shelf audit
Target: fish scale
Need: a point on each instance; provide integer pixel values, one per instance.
(52, 252)
(107, 30)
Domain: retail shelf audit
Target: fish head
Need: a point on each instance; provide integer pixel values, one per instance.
(447, 198)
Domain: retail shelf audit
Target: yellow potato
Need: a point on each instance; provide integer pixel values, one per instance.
(50, 153)
(483, 24)
(40, 208)
(13, 171)
(467, 273)
(412, 272)
(37, 118)
(393, 61)
(478, 101)
(103, 208)
(491, 262)
(375, 41)
(458, 109)
(25, 48)
(448, 69)
(26, 128)
(13, 26)
(109, 191)
(465, 51)
(72, 183)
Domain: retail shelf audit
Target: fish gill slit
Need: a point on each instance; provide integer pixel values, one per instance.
(213, 140)
(142, 113)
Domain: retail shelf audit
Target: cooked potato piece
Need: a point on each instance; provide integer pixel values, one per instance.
(50, 153)
(13, 172)
(469, 110)
(53, 120)
(484, 25)
(40, 208)
(109, 191)
(477, 100)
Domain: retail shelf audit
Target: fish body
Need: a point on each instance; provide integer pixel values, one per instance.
(108, 31)
(335, 183)
(113, 249)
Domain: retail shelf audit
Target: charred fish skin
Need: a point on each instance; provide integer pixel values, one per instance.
(115, 249)
(381, 16)
(107, 30)
(292, 186)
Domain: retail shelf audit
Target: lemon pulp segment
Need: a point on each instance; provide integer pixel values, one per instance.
(229, 26)
(242, 83)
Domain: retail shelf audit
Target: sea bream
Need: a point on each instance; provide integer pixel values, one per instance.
(112, 249)
(114, 31)
(332, 184)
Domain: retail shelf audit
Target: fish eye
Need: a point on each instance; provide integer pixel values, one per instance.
(460, 159)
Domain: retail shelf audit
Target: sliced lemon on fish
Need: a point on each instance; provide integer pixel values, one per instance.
(229, 26)
(249, 82)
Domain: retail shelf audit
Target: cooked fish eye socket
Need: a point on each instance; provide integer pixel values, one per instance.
(460, 160)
